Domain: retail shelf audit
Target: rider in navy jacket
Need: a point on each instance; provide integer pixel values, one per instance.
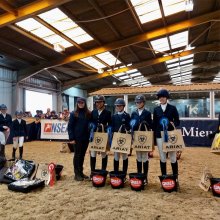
(120, 118)
(170, 112)
(141, 116)
(99, 116)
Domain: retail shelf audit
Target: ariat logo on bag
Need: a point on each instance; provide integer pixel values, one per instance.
(216, 188)
(121, 141)
(142, 139)
(98, 140)
(172, 138)
(44, 173)
(98, 179)
(168, 184)
(115, 181)
(136, 183)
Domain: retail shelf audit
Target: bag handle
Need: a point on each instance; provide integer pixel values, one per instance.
(173, 125)
(102, 128)
(119, 130)
(145, 126)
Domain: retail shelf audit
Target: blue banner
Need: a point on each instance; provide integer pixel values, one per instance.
(195, 132)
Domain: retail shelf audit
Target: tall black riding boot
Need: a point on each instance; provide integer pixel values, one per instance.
(20, 152)
(139, 167)
(163, 167)
(76, 164)
(145, 167)
(116, 165)
(104, 162)
(81, 162)
(2, 150)
(125, 166)
(13, 153)
(175, 168)
(92, 163)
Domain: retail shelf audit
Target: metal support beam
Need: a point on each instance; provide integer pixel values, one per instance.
(7, 7)
(29, 10)
(204, 48)
(123, 43)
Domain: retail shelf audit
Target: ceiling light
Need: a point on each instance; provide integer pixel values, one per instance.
(59, 48)
(114, 83)
(189, 5)
(100, 71)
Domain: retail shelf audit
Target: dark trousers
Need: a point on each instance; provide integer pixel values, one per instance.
(79, 155)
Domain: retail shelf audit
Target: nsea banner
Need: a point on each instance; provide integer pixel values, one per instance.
(195, 132)
(54, 129)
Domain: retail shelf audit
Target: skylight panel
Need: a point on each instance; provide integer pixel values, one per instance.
(179, 40)
(132, 71)
(64, 24)
(146, 83)
(93, 62)
(135, 74)
(186, 62)
(108, 58)
(42, 32)
(136, 84)
(147, 10)
(124, 77)
(139, 77)
(172, 61)
(160, 44)
(173, 6)
(187, 57)
(126, 80)
(54, 39)
(173, 65)
(29, 24)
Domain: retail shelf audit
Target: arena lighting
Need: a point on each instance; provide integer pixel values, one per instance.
(114, 83)
(189, 5)
(100, 71)
(59, 48)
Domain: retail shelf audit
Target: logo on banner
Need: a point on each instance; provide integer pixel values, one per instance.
(48, 127)
(121, 141)
(172, 138)
(142, 139)
(98, 140)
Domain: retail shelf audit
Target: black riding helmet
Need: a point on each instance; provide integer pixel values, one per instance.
(163, 93)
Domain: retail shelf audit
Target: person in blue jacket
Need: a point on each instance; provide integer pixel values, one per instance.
(79, 136)
(141, 117)
(120, 118)
(167, 114)
(19, 131)
(5, 124)
(100, 116)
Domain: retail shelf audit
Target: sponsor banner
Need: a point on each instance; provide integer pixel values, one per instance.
(54, 129)
(195, 132)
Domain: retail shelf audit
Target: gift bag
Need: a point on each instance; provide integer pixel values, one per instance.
(175, 140)
(121, 142)
(215, 148)
(47, 173)
(204, 183)
(99, 142)
(143, 140)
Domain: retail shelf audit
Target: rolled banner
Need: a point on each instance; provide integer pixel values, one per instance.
(92, 128)
(164, 122)
(109, 132)
(133, 123)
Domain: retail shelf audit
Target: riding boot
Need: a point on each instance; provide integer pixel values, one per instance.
(145, 167)
(139, 166)
(125, 166)
(76, 164)
(116, 165)
(13, 153)
(2, 150)
(92, 163)
(163, 167)
(104, 162)
(175, 169)
(20, 152)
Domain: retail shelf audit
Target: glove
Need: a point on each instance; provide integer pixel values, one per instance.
(109, 132)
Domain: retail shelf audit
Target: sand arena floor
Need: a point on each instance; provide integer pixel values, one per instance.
(69, 199)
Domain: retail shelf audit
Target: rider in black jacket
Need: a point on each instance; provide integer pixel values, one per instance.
(165, 110)
(100, 116)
